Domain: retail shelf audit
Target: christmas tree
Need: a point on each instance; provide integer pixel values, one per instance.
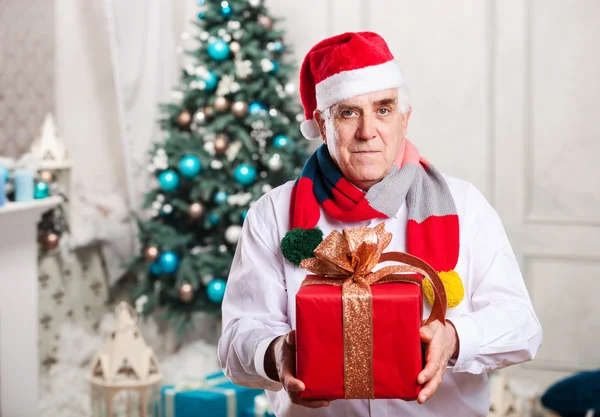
(232, 134)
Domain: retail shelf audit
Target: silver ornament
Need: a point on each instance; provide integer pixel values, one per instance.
(275, 163)
(254, 3)
(273, 112)
(290, 88)
(266, 188)
(232, 234)
(167, 209)
(300, 118)
(235, 47)
(263, 174)
(199, 116)
(223, 248)
(214, 164)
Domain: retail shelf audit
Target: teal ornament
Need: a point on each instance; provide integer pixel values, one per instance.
(244, 214)
(168, 180)
(216, 290)
(200, 2)
(226, 10)
(280, 141)
(190, 166)
(201, 15)
(275, 67)
(42, 190)
(219, 50)
(155, 268)
(220, 197)
(245, 174)
(168, 262)
(210, 81)
(257, 108)
(214, 219)
(277, 46)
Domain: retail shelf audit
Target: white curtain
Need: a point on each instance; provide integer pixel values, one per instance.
(115, 62)
(144, 63)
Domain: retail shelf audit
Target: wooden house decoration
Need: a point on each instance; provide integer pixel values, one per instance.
(125, 363)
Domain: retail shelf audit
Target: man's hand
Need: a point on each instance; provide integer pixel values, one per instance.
(280, 365)
(442, 344)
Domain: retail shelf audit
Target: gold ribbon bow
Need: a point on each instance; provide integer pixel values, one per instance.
(347, 260)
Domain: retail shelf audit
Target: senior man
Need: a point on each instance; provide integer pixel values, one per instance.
(367, 172)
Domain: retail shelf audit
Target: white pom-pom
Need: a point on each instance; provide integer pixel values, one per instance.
(310, 129)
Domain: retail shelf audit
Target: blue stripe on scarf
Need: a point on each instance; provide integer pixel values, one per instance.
(323, 173)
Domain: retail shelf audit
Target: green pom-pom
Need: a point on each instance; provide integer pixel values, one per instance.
(299, 244)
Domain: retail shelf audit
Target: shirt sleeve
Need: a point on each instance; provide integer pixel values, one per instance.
(254, 309)
(502, 328)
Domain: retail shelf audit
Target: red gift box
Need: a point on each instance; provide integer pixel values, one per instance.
(385, 356)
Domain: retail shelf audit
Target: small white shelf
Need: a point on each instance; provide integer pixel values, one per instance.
(38, 205)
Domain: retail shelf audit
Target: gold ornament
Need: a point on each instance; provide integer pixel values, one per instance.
(184, 119)
(46, 176)
(186, 292)
(51, 241)
(195, 210)
(221, 104)
(266, 21)
(221, 144)
(151, 253)
(239, 108)
(209, 111)
(235, 47)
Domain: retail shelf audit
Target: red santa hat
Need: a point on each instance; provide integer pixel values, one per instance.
(342, 67)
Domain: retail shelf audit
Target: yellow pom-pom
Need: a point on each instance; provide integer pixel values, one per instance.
(455, 292)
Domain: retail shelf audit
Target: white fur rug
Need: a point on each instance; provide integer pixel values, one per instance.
(64, 390)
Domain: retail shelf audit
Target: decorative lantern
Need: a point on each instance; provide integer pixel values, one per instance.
(125, 366)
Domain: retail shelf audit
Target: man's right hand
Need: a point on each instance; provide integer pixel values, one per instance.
(280, 365)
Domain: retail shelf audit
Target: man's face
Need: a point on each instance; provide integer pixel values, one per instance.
(364, 134)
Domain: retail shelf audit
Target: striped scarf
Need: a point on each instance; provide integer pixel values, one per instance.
(432, 231)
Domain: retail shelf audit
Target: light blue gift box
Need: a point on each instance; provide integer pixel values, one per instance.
(214, 396)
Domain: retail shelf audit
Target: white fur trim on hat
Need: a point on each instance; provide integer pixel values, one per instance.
(310, 129)
(348, 84)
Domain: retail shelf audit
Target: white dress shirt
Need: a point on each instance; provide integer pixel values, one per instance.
(495, 323)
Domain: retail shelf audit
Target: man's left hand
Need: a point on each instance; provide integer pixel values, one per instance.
(442, 344)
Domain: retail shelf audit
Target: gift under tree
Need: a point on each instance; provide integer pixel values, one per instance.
(232, 135)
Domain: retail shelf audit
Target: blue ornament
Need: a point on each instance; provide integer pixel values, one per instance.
(200, 2)
(226, 10)
(275, 67)
(155, 268)
(216, 290)
(277, 46)
(201, 15)
(280, 141)
(257, 108)
(245, 174)
(219, 50)
(41, 190)
(168, 262)
(190, 166)
(210, 81)
(168, 180)
(214, 219)
(244, 214)
(220, 197)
